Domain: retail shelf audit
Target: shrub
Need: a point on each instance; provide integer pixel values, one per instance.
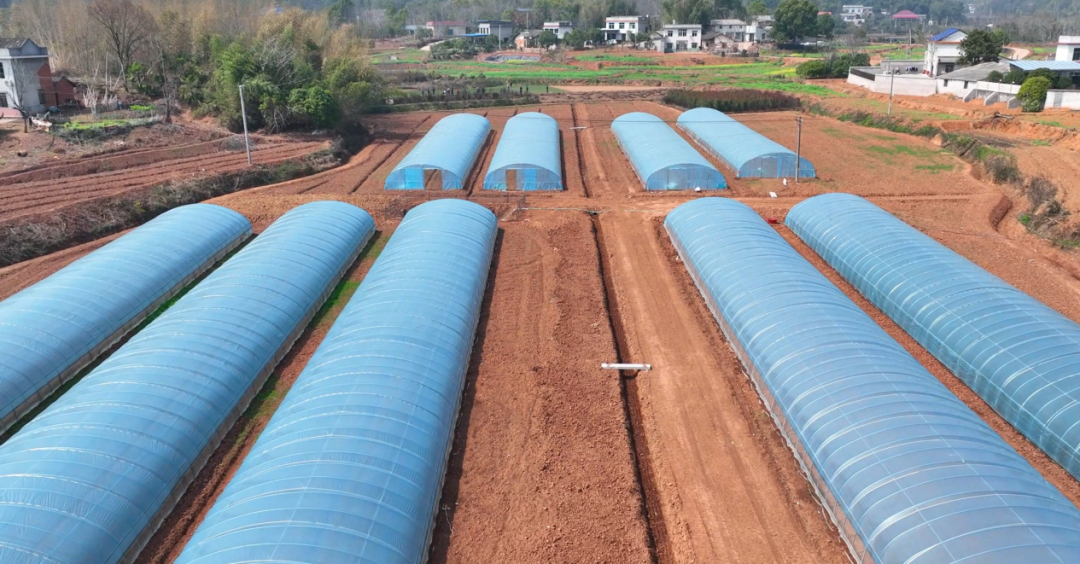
(1032, 94)
(814, 69)
(834, 67)
(1063, 82)
(995, 76)
(730, 101)
(1015, 76)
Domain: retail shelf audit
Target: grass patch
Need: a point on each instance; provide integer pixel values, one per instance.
(1041, 143)
(935, 168)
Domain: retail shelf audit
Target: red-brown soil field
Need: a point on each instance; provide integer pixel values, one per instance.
(556, 460)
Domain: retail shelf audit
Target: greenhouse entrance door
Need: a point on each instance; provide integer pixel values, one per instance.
(770, 167)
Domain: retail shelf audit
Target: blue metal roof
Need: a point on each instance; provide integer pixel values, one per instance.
(53, 329)
(662, 159)
(749, 153)
(530, 146)
(85, 481)
(450, 146)
(350, 467)
(1020, 356)
(945, 34)
(908, 472)
(1057, 66)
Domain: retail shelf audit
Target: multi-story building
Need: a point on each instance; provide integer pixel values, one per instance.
(1068, 48)
(943, 52)
(560, 29)
(440, 30)
(502, 29)
(678, 38)
(24, 70)
(856, 14)
(618, 29)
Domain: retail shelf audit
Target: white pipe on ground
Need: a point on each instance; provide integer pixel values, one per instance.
(617, 366)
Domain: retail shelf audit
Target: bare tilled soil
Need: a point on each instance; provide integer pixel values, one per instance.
(47, 195)
(541, 470)
(555, 460)
(18, 276)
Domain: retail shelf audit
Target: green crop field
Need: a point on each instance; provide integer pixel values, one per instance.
(617, 69)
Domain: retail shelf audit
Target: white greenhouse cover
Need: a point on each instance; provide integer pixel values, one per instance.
(89, 479)
(350, 467)
(662, 159)
(908, 472)
(747, 152)
(1019, 355)
(451, 146)
(53, 329)
(531, 147)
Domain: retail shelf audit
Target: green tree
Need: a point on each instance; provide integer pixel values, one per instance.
(547, 38)
(314, 105)
(340, 12)
(795, 19)
(1032, 93)
(981, 46)
(701, 11)
(757, 8)
(825, 25)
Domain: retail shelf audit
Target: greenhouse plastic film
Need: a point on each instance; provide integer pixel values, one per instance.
(1019, 355)
(350, 467)
(530, 146)
(661, 158)
(53, 329)
(907, 471)
(451, 146)
(749, 153)
(88, 480)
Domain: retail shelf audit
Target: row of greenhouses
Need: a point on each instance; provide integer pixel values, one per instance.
(904, 468)
(350, 466)
(528, 154)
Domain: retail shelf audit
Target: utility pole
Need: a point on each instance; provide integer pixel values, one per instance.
(892, 79)
(798, 149)
(243, 115)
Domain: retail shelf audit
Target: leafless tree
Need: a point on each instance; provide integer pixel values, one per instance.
(128, 28)
(24, 85)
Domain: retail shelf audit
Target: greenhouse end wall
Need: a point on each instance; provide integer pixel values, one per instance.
(907, 471)
(450, 147)
(529, 146)
(350, 467)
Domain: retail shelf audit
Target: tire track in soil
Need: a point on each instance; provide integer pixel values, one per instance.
(475, 179)
(727, 488)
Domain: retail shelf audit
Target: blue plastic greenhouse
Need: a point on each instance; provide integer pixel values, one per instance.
(907, 471)
(749, 153)
(1019, 355)
(530, 147)
(662, 159)
(350, 467)
(89, 480)
(450, 147)
(55, 328)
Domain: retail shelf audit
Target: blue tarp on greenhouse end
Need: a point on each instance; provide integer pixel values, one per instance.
(909, 473)
(51, 330)
(749, 153)
(451, 146)
(1019, 355)
(661, 158)
(350, 467)
(87, 479)
(529, 146)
